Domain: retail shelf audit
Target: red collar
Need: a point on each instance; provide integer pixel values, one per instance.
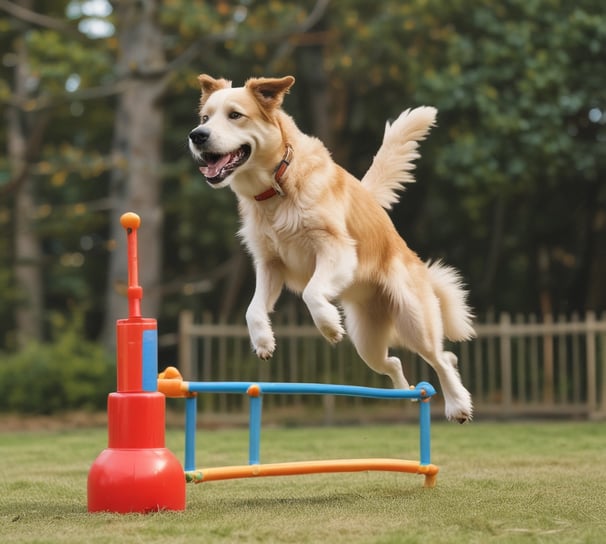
(276, 188)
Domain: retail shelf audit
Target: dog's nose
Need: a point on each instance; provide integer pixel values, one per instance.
(199, 135)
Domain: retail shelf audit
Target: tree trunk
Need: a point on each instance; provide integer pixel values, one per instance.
(317, 90)
(27, 247)
(595, 294)
(136, 176)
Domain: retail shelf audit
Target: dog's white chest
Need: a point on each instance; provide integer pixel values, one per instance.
(296, 258)
(285, 246)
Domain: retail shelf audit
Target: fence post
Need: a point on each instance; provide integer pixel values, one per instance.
(592, 384)
(548, 367)
(186, 320)
(602, 369)
(505, 355)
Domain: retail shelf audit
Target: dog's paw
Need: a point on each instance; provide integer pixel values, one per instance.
(261, 335)
(264, 354)
(464, 419)
(265, 349)
(326, 316)
(461, 414)
(334, 334)
(328, 321)
(461, 417)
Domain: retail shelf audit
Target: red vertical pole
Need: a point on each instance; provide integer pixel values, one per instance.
(132, 330)
(136, 473)
(131, 222)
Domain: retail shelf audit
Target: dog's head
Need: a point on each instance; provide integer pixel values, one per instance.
(238, 129)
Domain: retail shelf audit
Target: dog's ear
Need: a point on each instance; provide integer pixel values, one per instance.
(209, 85)
(269, 92)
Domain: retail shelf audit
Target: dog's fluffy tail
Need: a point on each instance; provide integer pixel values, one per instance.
(456, 314)
(393, 163)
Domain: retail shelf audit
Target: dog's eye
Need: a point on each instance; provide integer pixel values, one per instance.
(235, 115)
(204, 119)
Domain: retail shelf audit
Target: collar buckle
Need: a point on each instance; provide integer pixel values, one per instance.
(276, 188)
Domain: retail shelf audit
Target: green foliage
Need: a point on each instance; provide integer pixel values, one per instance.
(515, 166)
(69, 373)
(514, 169)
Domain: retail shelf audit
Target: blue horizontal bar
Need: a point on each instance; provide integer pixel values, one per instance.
(421, 390)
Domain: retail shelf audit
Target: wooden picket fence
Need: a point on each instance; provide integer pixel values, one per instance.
(517, 366)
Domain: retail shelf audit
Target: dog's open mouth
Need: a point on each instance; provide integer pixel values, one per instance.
(217, 167)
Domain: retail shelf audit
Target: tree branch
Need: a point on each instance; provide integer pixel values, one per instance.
(194, 49)
(164, 75)
(32, 150)
(33, 105)
(37, 19)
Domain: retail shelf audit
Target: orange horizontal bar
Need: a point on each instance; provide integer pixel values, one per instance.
(310, 467)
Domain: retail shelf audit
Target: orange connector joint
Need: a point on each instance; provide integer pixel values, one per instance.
(171, 384)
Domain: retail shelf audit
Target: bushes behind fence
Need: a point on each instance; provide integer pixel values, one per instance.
(48, 378)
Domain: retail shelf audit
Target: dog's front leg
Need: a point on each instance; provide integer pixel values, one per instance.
(269, 284)
(334, 272)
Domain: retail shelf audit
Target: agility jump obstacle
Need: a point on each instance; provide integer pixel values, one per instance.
(172, 385)
(136, 473)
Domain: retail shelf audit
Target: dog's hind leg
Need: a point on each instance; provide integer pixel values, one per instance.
(369, 332)
(419, 328)
(457, 400)
(269, 283)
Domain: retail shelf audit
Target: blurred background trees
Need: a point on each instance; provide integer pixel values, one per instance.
(98, 98)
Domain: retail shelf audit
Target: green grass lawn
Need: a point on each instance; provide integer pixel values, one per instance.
(509, 482)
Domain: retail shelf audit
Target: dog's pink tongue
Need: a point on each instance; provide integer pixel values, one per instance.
(213, 170)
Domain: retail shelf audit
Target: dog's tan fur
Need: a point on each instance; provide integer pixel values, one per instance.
(329, 237)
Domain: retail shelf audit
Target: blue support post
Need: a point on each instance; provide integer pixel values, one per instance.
(425, 431)
(149, 356)
(191, 414)
(254, 424)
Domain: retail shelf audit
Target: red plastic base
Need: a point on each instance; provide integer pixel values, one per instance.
(137, 480)
(136, 473)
